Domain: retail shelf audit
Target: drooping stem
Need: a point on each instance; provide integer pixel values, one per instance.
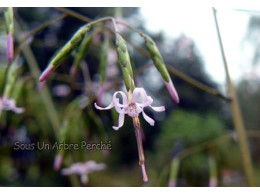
(237, 118)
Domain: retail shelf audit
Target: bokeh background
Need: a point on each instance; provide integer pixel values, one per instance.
(200, 126)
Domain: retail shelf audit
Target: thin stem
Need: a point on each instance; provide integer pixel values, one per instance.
(175, 72)
(41, 27)
(45, 95)
(212, 143)
(237, 117)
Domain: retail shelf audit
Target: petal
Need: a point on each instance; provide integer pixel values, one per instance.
(18, 110)
(124, 99)
(135, 95)
(148, 119)
(111, 105)
(145, 100)
(121, 120)
(158, 108)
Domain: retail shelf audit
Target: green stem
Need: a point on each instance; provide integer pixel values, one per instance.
(237, 117)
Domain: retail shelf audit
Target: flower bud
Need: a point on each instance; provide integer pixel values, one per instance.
(124, 61)
(65, 51)
(81, 54)
(159, 64)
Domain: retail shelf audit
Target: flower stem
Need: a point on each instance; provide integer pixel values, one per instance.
(140, 146)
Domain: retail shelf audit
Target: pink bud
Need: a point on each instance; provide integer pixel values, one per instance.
(172, 91)
(10, 47)
(46, 73)
(145, 178)
(57, 162)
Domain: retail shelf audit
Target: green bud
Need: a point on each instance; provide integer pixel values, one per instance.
(103, 59)
(157, 58)
(69, 46)
(124, 61)
(9, 22)
(11, 78)
(82, 52)
(65, 51)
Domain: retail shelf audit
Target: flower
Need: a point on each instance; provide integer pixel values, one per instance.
(9, 104)
(132, 107)
(83, 169)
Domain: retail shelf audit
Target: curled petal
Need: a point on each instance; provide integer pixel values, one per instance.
(111, 105)
(121, 121)
(18, 110)
(148, 119)
(158, 109)
(116, 100)
(146, 100)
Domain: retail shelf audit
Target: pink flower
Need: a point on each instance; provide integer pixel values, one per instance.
(61, 90)
(83, 169)
(131, 107)
(9, 104)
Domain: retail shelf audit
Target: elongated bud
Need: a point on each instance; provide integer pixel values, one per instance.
(65, 51)
(57, 162)
(159, 64)
(12, 74)
(10, 47)
(8, 12)
(174, 172)
(46, 73)
(81, 54)
(172, 91)
(124, 61)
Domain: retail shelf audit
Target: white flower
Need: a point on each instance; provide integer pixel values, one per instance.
(132, 108)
